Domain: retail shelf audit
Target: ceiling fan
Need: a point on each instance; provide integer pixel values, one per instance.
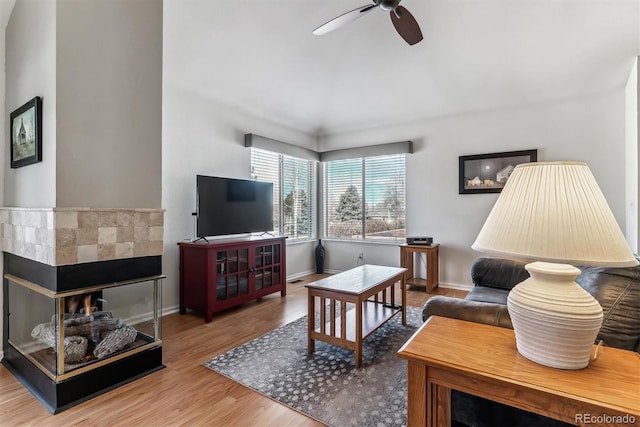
(403, 21)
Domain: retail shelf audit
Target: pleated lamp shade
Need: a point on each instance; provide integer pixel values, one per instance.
(555, 214)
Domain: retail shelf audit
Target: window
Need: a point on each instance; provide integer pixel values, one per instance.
(293, 191)
(365, 198)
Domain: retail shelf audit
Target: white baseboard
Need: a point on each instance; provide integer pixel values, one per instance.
(170, 310)
(299, 275)
(176, 308)
(445, 285)
(455, 286)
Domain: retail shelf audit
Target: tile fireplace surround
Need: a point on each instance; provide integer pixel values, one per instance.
(66, 236)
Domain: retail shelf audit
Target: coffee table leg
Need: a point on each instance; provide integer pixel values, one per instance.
(358, 334)
(403, 285)
(311, 323)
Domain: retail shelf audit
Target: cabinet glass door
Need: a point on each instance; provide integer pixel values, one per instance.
(259, 260)
(233, 273)
(243, 271)
(267, 259)
(276, 275)
(276, 254)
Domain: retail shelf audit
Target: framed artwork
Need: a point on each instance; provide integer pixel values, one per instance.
(26, 134)
(488, 173)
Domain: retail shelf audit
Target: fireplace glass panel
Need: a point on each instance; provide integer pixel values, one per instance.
(28, 308)
(101, 324)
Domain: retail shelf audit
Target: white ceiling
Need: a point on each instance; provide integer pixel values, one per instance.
(260, 56)
(6, 6)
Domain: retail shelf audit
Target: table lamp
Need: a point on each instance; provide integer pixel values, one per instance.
(555, 214)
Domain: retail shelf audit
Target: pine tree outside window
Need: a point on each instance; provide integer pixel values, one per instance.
(365, 198)
(293, 191)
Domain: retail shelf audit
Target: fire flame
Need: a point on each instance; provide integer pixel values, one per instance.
(87, 305)
(72, 306)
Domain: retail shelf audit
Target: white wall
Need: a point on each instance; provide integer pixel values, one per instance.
(589, 129)
(109, 116)
(28, 54)
(3, 126)
(98, 67)
(30, 71)
(632, 156)
(201, 137)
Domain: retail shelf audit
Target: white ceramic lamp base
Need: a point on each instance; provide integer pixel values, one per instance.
(555, 321)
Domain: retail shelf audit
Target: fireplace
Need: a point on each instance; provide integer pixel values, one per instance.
(72, 332)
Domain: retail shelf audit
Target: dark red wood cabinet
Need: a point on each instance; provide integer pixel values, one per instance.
(228, 272)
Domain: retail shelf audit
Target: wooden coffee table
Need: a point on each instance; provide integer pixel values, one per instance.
(371, 288)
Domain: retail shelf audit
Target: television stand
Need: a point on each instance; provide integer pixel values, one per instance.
(200, 238)
(224, 273)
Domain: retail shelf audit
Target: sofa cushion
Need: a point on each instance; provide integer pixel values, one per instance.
(618, 292)
(471, 311)
(498, 272)
(485, 294)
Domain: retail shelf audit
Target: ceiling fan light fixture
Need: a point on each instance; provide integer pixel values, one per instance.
(388, 5)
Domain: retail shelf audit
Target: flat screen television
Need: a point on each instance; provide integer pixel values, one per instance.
(232, 206)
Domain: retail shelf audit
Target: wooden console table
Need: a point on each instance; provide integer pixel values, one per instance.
(372, 289)
(407, 253)
(482, 360)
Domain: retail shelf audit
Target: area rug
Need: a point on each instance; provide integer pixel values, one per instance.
(325, 385)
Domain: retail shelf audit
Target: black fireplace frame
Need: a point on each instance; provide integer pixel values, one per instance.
(58, 396)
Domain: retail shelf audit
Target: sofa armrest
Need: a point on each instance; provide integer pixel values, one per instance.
(498, 272)
(472, 311)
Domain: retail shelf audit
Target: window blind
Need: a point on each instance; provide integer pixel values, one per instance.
(365, 198)
(294, 191)
(264, 167)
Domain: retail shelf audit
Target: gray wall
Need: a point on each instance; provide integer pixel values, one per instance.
(3, 126)
(589, 129)
(31, 71)
(109, 87)
(632, 155)
(98, 67)
(202, 137)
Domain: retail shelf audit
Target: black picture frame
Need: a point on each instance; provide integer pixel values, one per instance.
(26, 133)
(487, 173)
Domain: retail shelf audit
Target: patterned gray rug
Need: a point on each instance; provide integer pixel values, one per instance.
(326, 386)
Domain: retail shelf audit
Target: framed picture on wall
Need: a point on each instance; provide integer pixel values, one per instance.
(488, 173)
(26, 134)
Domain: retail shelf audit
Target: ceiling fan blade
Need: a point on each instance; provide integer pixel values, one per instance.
(338, 22)
(406, 25)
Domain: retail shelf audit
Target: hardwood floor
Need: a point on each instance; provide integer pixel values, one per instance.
(185, 392)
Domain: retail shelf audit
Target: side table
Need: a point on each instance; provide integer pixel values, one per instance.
(407, 253)
(482, 360)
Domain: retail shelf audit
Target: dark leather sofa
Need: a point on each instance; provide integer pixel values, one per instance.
(616, 289)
